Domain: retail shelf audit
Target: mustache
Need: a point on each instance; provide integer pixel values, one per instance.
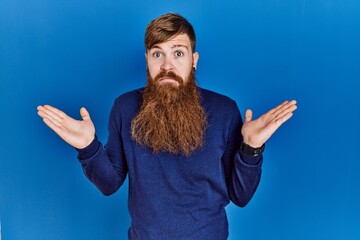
(168, 74)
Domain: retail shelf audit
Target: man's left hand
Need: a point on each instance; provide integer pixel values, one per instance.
(257, 132)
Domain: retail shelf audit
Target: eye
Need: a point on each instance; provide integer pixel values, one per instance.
(179, 54)
(156, 54)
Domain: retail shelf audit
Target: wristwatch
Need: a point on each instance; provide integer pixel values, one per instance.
(250, 151)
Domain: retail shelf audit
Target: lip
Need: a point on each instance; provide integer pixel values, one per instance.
(166, 79)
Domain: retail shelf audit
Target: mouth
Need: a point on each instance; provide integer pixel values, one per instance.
(168, 80)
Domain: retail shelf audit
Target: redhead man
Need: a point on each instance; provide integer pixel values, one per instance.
(186, 151)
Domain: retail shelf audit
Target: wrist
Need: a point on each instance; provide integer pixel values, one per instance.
(90, 150)
(251, 151)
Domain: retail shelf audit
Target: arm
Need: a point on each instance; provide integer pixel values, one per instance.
(243, 171)
(105, 167)
(246, 170)
(245, 178)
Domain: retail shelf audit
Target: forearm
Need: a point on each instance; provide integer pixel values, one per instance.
(100, 170)
(245, 178)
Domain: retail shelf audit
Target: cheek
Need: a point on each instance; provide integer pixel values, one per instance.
(153, 69)
(185, 68)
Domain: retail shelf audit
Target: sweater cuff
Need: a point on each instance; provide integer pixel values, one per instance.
(89, 150)
(251, 160)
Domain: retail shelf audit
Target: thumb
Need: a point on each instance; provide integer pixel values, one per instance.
(248, 115)
(84, 114)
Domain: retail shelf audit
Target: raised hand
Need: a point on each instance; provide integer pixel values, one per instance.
(77, 133)
(257, 132)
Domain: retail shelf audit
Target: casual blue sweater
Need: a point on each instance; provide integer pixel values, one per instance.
(173, 196)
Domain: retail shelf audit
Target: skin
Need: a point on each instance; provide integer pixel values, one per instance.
(173, 55)
(257, 132)
(77, 133)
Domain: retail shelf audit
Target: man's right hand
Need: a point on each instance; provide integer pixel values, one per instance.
(77, 133)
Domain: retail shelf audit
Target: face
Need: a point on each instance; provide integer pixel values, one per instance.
(174, 56)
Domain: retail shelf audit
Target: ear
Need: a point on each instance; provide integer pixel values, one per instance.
(195, 59)
(146, 59)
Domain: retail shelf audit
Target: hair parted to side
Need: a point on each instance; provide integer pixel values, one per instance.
(166, 27)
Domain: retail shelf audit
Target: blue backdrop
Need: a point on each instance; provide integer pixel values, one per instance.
(85, 53)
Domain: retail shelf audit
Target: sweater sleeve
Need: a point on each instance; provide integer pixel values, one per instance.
(105, 166)
(244, 171)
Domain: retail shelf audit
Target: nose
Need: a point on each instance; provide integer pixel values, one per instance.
(167, 65)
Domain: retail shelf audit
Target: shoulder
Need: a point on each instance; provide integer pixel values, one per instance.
(211, 99)
(129, 99)
(129, 102)
(222, 112)
(133, 96)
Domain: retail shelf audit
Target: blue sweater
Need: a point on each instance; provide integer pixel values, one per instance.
(172, 196)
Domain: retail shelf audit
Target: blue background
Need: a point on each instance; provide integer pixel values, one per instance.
(85, 53)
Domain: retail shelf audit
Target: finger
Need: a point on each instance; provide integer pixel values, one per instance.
(54, 121)
(84, 114)
(56, 111)
(284, 118)
(284, 106)
(45, 112)
(41, 109)
(277, 107)
(289, 109)
(248, 115)
(53, 126)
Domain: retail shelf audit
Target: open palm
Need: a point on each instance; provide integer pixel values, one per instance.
(257, 132)
(77, 133)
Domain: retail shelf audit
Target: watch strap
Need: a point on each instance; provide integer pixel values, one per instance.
(251, 151)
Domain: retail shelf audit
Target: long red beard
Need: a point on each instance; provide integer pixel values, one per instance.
(171, 118)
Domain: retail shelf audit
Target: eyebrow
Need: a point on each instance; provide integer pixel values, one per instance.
(174, 46)
(179, 45)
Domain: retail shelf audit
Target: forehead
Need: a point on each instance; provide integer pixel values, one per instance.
(181, 40)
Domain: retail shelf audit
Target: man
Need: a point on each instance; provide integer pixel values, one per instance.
(185, 149)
